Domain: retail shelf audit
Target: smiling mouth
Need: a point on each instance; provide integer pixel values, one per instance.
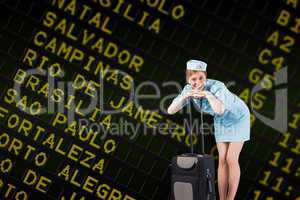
(199, 87)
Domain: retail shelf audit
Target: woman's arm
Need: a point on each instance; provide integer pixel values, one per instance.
(177, 104)
(180, 101)
(215, 103)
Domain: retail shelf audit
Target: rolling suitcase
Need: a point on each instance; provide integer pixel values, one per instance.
(193, 174)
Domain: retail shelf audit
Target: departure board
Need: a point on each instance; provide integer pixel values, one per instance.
(85, 86)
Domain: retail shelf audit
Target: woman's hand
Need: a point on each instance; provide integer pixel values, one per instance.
(196, 94)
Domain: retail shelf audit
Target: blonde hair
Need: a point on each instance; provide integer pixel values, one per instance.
(189, 73)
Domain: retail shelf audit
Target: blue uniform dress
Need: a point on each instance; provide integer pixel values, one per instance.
(234, 124)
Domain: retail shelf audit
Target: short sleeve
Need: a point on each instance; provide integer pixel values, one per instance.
(221, 92)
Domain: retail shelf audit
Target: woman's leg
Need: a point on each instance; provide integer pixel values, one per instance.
(232, 159)
(222, 170)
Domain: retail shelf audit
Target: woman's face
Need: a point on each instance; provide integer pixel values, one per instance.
(197, 80)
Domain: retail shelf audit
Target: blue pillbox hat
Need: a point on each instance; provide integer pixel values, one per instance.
(196, 65)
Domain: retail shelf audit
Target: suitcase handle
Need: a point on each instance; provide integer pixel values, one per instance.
(201, 127)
